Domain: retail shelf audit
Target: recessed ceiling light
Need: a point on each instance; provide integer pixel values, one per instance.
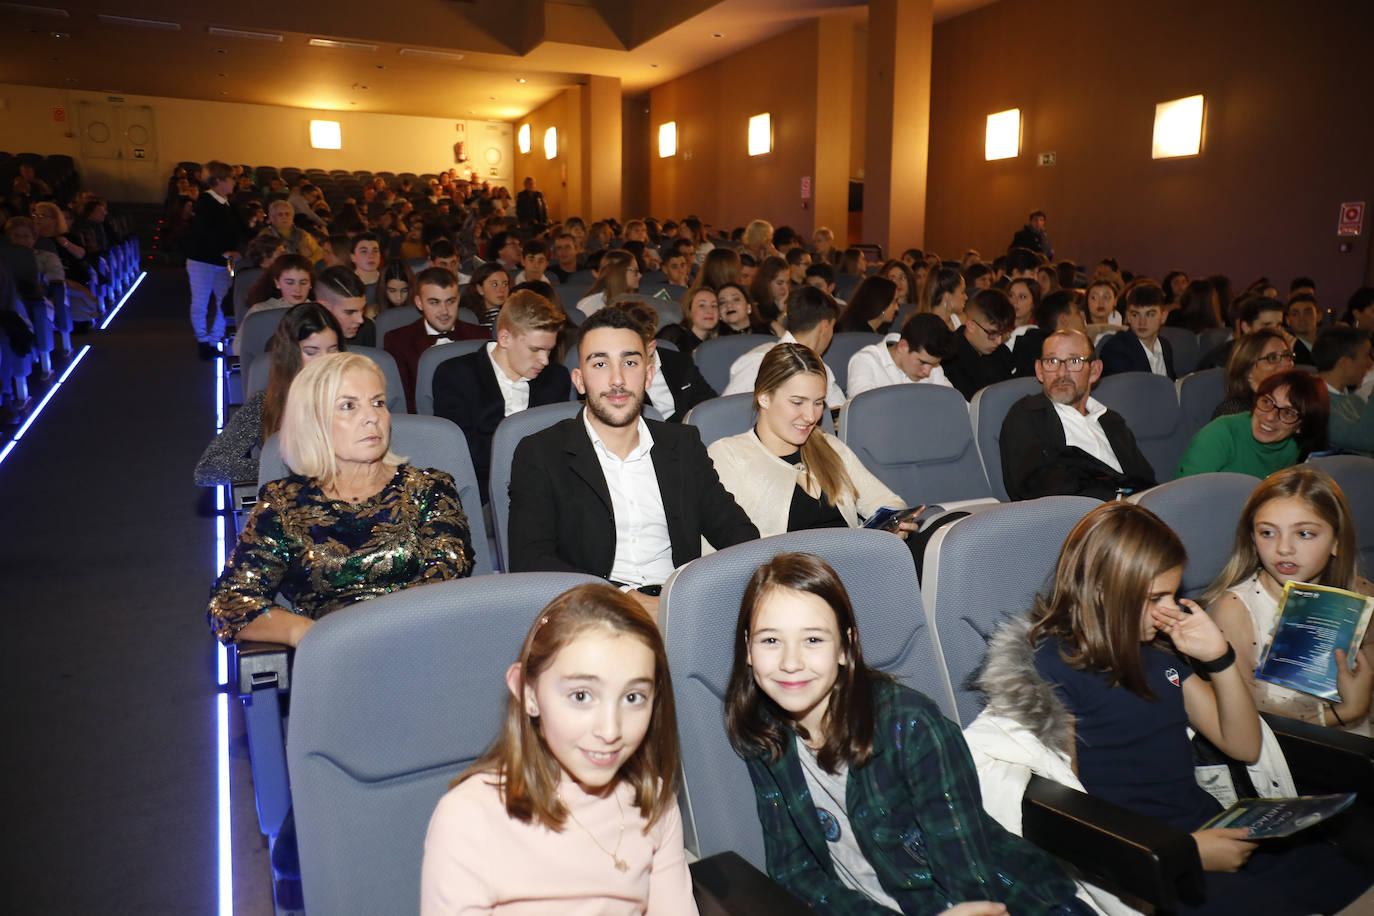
(221, 75)
(519, 79)
(340, 45)
(132, 22)
(243, 33)
(653, 66)
(381, 66)
(60, 35)
(221, 50)
(425, 52)
(491, 98)
(717, 35)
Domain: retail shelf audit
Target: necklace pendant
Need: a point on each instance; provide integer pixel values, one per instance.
(621, 864)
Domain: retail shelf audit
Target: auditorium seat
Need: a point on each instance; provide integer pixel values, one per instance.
(1149, 404)
(731, 415)
(429, 361)
(503, 442)
(1185, 346)
(395, 391)
(986, 411)
(918, 440)
(842, 347)
(1203, 510)
(244, 278)
(714, 357)
(393, 318)
(1199, 393)
(253, 334)
(1212, 338)
(1355, 476)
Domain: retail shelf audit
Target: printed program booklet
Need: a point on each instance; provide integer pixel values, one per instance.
(1276, 817)
(1314, 621)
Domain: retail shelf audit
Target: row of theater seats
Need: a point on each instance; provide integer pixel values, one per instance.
(58, 171)
(393, 697)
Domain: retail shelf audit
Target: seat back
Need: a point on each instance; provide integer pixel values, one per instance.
(429, 362)
(1355, 476)
(1199, 393)
(394, 318)
(1184, 343)
(842, 348)
(986, 412)
(698, 611)
(395, 391)
(244, 278)
(426, 442)
(1149, 404)
(503, 442)
(714, 357)
(918, 440)
(253, 333)
(986, 566)
(1202, 510)
(1212, 338)
(371, 756)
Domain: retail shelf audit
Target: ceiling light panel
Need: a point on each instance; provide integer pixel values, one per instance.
(341, 45)
(243, 33)
(425, 52)
(134, 23)
(34, 10)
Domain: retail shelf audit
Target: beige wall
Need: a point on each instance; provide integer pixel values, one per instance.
(1287, 135)
(253, 134)
(558, 179)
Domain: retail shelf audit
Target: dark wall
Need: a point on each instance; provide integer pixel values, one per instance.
(1288, 134)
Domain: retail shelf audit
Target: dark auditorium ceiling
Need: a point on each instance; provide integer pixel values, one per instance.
(381, 57)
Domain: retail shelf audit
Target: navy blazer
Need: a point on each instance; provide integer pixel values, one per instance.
(1122, 352)
(466, 392)
(561, 517)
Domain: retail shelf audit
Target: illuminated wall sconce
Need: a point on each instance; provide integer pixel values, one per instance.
(1178, 128)
(550, 143)
(667, 139)
(325, 135)
(523, 138)
(1004, 135)
(760, 134)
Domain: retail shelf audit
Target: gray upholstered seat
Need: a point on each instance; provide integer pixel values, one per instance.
(391, 699)
(986, 412)
(503, 442)
(1202, 510)
(842, 348)
(1199, 393)
(429, 361)
(731, 415)
(714, 357)
(253, 334)
(1185, 346)
(1355, 476)
(395, 392)
(394, 318)
(1149, 404)
(698, 613)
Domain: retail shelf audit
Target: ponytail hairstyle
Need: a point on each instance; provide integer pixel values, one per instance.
(823, 466)
(945, 281)
(520, 759)
(1101, 584)
(756, 725)
(299, 322)
(722, 266)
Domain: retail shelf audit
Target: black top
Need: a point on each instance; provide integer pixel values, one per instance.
(680, 337)
(968, 370)
(809, 511)
(215, 229)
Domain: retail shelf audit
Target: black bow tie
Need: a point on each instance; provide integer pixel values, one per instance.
(443, 335)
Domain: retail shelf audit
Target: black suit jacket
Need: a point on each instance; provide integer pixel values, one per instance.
(685, 381)
(409, 342)
(1027, 351)
(466, 392)
(1036, 460)
(1123, 353)
(560, 507)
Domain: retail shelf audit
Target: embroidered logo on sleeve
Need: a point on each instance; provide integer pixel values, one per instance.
(1172, 675)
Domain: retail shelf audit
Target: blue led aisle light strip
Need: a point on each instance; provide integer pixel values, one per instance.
(115, 311)
(43, 403)
(226, 861)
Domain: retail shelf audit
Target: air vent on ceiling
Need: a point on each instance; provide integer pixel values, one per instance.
(425, 52)
(341, 45)
(161, 25)
(242, 33)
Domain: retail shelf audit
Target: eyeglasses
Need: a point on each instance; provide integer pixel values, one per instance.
(1288, 415)
(992, 334)
(1273, 359)
(1072, 363)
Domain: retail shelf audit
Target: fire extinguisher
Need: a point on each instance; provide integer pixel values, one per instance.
(460, 152)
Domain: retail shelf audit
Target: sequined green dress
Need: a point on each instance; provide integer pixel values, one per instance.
(323, 554)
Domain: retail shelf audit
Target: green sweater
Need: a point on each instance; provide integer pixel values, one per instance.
(1226, 444)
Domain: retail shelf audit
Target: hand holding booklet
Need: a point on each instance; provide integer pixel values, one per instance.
(887, 518)
(1276, 817)
(1313, 622)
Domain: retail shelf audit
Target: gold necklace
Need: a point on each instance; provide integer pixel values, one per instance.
(620, 864)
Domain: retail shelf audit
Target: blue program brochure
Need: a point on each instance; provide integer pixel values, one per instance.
(1276, 817)
(1314, 621)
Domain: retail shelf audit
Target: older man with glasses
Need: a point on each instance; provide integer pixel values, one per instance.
(1063, 440)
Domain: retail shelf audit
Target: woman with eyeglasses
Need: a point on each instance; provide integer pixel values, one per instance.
(1287, 423)
(1254, 358)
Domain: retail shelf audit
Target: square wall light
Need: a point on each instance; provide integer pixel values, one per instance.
(325, 135)
(550, 143)
(1004, 135)
(523, 138)
(1178, 128)
(760, 134)
(667, 139)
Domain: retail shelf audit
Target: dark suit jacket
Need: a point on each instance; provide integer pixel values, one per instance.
(968, 370)
(530, 209)
(560, 507)
(1027, 351)
(1036, 461)
(1123, 353)
(466, 392)
(685, 381)
(408, 343)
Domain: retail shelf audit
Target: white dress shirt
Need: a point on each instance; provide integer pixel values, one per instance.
(1085, 431)
(745, 371)
(432, 331)
(643, 550)
(873, 367)
(516, 394)
(1155, 356)
(659, 393)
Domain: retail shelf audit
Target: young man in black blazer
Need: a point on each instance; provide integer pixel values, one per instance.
(469, 391)
(610, 493)
(1139, 348)
(677, 384)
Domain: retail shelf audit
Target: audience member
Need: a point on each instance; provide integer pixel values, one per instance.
(1139, 348)
(810, 318)
(436, 297)
(1255, 357)
(912, 356)
(769, 290)
(1302, 318)
(1032, 236)
(871, 308)
(211, 247)
(514, 372)
(610, 493)
(1174, 284)
(281, 223)
(1251, 314)
(737, 315)
(700, 320)
(1198, 309)
(339, 290)
(676, 384)
(486, 293)
(1063, 440)
(618, 274)
(315, 536)
(396, 287)
(945, 296)
(564, 257)
(534, 263)
(530, 208)
(980, 358)
(1343, 360)
(1102, 303)
(1287, 423)
(365, 257)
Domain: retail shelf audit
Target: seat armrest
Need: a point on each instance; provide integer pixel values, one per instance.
(1113, 847)
(1325, 758)
(262, 664)
(726, 885)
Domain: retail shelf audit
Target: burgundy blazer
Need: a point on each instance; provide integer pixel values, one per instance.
(407, 343)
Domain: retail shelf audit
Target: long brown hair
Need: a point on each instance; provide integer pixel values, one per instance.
(1244, 355)
(823, 465)
(519, 757)
(1318, 490)
(1101, 584)
(720, 267)
(757, 725)
(610, 276)
(284, 350)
